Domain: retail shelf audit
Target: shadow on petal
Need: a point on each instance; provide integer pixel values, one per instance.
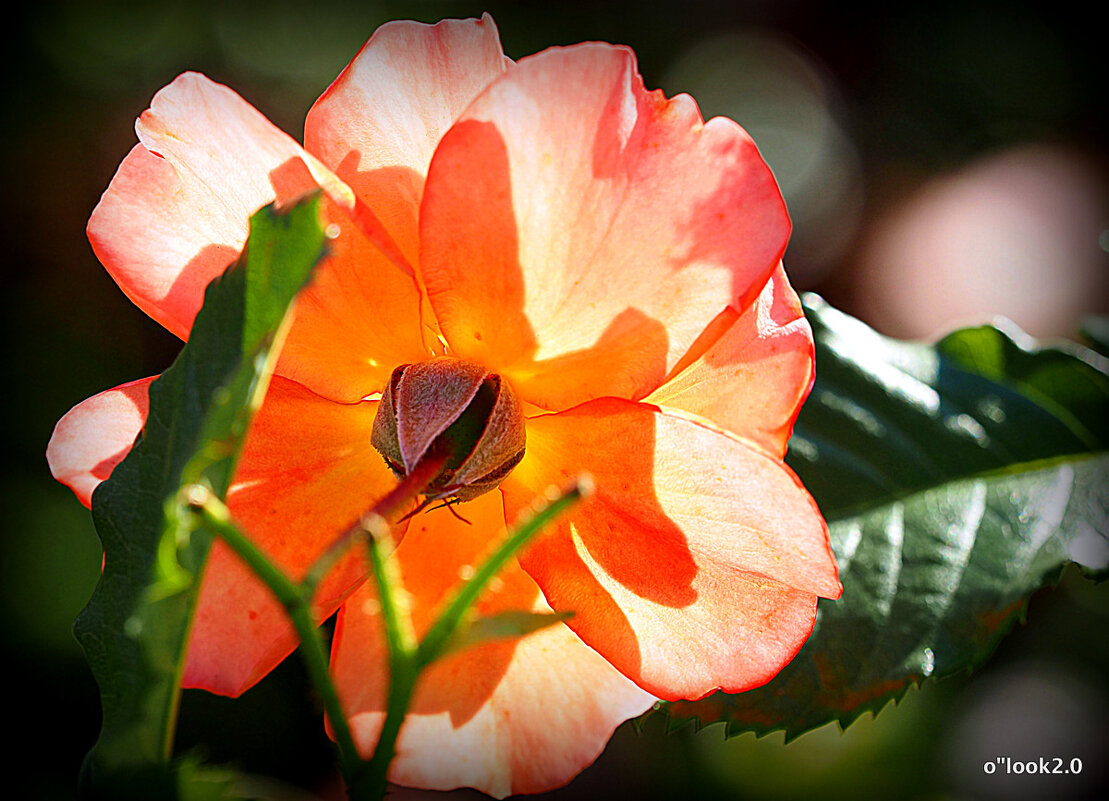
(291, 180)
(187, 291)
(509, 716)
(469, 248)
(622, 527)
(437, 551)
(696, 563)
(478, 288)
(393, 193)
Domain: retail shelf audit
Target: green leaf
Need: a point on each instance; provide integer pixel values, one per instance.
(135, 627)
(504, 625)
(957, 479)
(1067, 380)
(189, 778)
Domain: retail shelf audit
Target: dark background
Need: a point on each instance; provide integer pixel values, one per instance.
(942, 163)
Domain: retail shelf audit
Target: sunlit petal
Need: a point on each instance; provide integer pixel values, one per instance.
(697, 563)
(509, 716)
(753, 377)
(578, 233)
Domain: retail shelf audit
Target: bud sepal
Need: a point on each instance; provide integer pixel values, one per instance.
(452, 406)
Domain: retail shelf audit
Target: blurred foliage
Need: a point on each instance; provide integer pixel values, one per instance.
(917, 88)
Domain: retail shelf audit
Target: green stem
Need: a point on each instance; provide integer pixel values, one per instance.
(406, 658)
(400, 637)
(395, 502)
(297, 597)
(445, 625)
(297, 601)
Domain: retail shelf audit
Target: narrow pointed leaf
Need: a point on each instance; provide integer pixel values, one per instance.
(957, 479)
(438, 637)
(135, 628)
(505, 625)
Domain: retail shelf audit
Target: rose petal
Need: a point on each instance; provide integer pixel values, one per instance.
(306, 474)
(95, 435)
(754, 377)
(697, 563)
(357, 319)
(177, 211)
(509, 716)
(578, 233)
(378, 124)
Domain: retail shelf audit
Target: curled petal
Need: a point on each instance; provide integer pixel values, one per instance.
(378, 124)
(752, 378)
(95, 435)
(429, 397)
(508, 716)
(578, 233)
(306, 474)
(698, 562)
(177, 211)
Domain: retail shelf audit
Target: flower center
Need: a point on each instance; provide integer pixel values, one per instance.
(452, 408)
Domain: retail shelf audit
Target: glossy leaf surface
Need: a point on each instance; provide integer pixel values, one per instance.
(957, 479)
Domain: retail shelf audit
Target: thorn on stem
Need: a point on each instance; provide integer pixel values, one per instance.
(374, 525)
(195, 496)
(585, 486)
(449, 504)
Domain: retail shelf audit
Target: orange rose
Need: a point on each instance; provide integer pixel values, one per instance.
(609, 255)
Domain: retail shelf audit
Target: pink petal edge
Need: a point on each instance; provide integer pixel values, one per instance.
(753, 379)
(638, 221)
(697, 563)
(379, 122)
(177, 212)
(94, 436)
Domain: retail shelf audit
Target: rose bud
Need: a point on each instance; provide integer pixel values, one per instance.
(456, 407)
